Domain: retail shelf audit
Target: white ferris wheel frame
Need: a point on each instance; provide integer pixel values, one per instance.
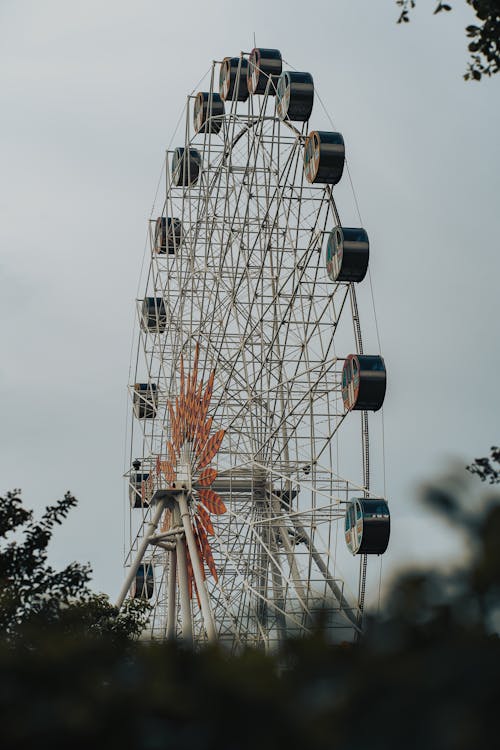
(247, 284)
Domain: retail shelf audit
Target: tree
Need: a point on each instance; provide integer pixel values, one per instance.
(35, 598)
(424, 674)
(488, 467)
(484, 44)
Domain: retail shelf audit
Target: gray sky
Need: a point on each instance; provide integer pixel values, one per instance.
(90, 94)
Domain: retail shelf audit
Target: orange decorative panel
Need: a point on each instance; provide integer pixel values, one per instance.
(207, 477)
(212, 502)
(168, 471)
(204, 517)
(189, 423)
(211, 449)
(166, 521)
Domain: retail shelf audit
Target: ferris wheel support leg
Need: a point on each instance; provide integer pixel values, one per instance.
(171, 612)
(187, 622)
(278, 596)
(262, 610)
(206, 609)
(294, 570)
(323, 568)
(143, 545)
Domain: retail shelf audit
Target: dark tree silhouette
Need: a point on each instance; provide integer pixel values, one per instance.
(34, 597)
(484, 44)
(487, 468)
(424, 675)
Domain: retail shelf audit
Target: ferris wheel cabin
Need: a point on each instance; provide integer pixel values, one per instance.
(347, 254)
(295, 96)
(145, 400)
(135, 489)
(153, 314)
(168, 235)
(144, 584)
(363, 382)
(186, 166)
(264, 67)
(367, 526)
(208, 112)
(233, 79)
(324, 157)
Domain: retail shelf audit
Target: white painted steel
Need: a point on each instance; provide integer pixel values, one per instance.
(186, 615)
(149, 529)
(171, 596)
(206, 608)
(249, 285)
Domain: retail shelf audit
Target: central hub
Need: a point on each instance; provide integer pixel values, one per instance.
(183, 471)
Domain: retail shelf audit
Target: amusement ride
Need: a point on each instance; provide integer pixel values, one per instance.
(251, 511)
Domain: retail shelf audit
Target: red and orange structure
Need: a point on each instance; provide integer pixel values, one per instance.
(180, 494)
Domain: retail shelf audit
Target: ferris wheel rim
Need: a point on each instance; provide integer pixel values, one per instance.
(188, 337)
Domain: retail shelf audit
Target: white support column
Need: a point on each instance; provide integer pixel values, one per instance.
(171, 603)
(206, 609)
(290, 554)
(334, 588)
(143, 545)
(187, 623)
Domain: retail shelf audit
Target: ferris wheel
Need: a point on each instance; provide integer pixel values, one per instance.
(251, 508)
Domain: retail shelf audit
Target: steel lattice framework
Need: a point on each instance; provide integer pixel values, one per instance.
(247, 294)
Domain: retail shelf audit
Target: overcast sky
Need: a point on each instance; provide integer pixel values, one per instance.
(90, 94)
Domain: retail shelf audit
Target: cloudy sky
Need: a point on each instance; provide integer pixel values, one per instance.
(90, 94)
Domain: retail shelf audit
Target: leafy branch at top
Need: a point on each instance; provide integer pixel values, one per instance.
(487, 468)
(408, 5)
(484, 44)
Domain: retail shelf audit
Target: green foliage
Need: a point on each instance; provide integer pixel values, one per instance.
(35, 598)
(487, 468)
(424, 675)
(485, 38)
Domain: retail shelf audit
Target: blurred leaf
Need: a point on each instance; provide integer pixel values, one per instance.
(441, 6)
(423, 675)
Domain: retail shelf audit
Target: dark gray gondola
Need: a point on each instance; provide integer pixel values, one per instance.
(233, 87)
(145, 400)
(295, 96)
(263, 64)
(135, 489)
(144, 583)
(367, 526)
(363, 382)
(186, 166)
(324, 157)
(347, 254)
(208, 112)
(168, 235)
(153, 314)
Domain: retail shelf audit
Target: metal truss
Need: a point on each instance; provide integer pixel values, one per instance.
(247, 283)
